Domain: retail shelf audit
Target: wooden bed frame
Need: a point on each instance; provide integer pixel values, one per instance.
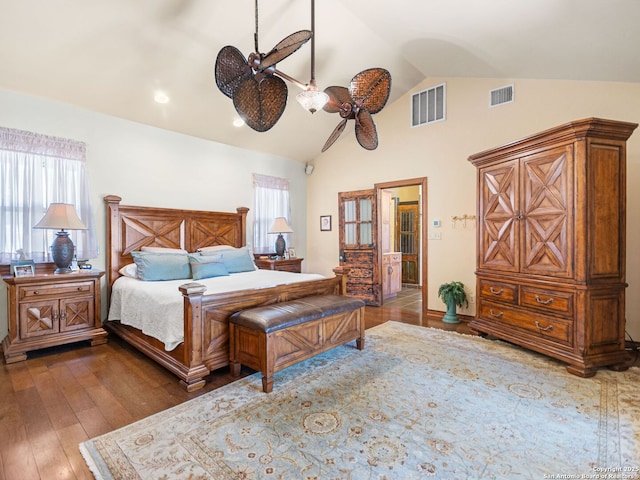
(206, 317)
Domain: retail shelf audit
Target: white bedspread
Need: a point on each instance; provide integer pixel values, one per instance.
(156, 308)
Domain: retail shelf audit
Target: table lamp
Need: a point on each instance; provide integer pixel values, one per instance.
(280, 226)
(64, 217)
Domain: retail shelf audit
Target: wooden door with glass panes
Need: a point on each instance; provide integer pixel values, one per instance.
(408, 233)
(358, 230)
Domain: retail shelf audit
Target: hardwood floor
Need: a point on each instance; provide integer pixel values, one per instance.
(62, 396)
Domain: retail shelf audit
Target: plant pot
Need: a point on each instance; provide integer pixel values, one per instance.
(450, 316)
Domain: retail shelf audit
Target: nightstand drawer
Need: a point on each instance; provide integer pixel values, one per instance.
(56, 290)
(284, 265)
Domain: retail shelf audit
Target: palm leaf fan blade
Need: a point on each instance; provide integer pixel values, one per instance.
(334, 135)
(337, 97)
(260, 104)
(231, 70)
(366, 132)
(284, 48)
(371, 88)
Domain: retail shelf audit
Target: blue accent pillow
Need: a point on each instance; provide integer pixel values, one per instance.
(207, 266)
(235, 259)
(161, 266)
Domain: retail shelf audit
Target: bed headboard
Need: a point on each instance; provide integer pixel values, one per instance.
(129, 228)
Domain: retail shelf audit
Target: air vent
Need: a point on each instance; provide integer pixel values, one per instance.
(428, 106)
(501, 95)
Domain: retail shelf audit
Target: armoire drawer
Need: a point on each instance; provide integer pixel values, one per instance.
(547, 327)
(497, 291)
(546, 301)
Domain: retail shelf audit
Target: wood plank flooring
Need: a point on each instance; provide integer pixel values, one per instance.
(62, 396)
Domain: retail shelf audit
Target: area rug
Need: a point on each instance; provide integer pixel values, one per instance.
(415, 403)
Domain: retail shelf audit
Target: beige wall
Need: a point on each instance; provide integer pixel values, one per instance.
(439, 151)
(150, 166)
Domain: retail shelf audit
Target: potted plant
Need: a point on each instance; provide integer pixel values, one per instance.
(453, 295)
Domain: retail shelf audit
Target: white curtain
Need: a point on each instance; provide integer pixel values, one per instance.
(271, 200)
(36, 170)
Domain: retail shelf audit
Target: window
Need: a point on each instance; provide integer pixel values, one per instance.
(36, 170)
(428, 106)
(271, 200)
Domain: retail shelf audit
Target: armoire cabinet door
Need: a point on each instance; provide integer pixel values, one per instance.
(546, 213)
(499, 197)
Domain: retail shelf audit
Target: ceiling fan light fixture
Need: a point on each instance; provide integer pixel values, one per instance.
(312, 99)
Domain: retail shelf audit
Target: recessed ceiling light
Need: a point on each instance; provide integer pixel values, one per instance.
(161, 97)
(238, 122)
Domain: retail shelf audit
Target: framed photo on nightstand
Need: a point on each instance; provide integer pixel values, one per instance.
(23, 270)
(292, 253)
(20, 264)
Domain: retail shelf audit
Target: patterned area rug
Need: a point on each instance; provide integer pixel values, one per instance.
(415, 403)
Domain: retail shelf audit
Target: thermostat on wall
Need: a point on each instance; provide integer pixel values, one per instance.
(436, 223)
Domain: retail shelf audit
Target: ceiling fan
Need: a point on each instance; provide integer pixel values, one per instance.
(367, 94)
(259, 95)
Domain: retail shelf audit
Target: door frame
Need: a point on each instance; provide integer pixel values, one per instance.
(421, 182)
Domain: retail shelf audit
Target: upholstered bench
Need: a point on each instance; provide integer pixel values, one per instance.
(276, 336)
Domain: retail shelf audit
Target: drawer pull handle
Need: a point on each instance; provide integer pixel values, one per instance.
(544, 302)
(496, 291)
(494, 314)
(36, 292)
(544, 329)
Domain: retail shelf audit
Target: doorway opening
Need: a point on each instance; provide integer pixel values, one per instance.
(402, 207)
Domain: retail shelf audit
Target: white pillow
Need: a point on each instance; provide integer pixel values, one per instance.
(216, 248)
(130, 270)
(163, 250)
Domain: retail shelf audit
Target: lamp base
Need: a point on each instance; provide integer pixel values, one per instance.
(280, 245)
(62, 250)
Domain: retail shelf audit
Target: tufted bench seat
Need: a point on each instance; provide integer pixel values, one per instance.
(276, 336)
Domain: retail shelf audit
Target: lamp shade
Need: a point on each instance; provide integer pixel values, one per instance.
(280, 225)
(61, 216)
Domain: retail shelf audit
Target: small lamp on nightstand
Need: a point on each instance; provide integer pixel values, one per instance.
(61, 216)
(280, 226)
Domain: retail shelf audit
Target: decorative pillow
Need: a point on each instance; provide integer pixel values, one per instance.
(163, 250)
(207, 266)
(238, 260)
(161, 266)
(215, 248)
(129, 270)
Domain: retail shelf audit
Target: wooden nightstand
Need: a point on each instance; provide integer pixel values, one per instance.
(289, 265)
(46, 310)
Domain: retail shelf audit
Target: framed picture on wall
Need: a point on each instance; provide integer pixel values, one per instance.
(325, 223)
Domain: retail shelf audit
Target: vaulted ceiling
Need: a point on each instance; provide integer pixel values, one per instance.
(111, 56)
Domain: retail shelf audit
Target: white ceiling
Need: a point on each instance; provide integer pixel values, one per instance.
(110, 56)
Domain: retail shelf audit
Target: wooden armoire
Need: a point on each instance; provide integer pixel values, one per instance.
(551, 243)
